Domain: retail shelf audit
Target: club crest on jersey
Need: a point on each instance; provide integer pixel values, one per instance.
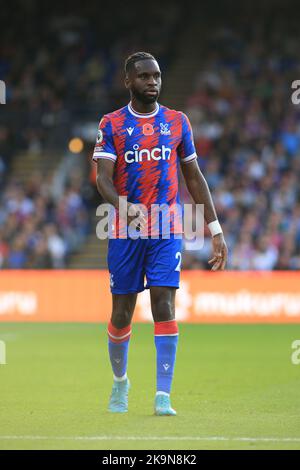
(148, 129)
(164, 129)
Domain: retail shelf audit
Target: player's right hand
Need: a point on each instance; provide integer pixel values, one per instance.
(135, 216)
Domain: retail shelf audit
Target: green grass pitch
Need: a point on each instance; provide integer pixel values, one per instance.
(235, 387)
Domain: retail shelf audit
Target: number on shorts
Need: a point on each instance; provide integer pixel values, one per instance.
(178, 256)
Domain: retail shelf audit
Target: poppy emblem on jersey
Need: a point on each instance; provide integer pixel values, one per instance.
(99, 136)
(164, 129)
(148, 129)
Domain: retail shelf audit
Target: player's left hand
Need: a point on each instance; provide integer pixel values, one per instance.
(220, 253)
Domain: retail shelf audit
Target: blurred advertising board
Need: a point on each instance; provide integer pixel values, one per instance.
(204, 297)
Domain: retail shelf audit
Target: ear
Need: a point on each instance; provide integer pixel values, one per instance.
(127, 82)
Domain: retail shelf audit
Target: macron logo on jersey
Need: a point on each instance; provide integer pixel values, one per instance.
(157, 153)
(130, 130)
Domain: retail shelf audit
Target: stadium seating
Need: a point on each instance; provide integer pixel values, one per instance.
(233, 83)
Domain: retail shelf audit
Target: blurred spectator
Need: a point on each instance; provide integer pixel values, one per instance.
(56, 246)
(16, 258)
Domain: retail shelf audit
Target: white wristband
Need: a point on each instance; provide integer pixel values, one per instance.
(215, 228)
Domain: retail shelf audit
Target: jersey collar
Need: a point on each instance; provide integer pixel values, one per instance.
(142, 115)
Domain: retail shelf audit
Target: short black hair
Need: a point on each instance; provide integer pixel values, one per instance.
(137, 56)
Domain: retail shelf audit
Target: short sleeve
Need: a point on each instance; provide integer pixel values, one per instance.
(105, 147)
(186, 149)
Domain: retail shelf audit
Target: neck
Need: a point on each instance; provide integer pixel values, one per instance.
(140, 107)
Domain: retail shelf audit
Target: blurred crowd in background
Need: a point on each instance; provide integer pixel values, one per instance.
(61, 66)
(39, 230)
(246, 129)
(247, 134)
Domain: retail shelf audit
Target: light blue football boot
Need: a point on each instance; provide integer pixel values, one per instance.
(118, 402)
(163, 406)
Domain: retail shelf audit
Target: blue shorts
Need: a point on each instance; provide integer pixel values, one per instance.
(130, 260)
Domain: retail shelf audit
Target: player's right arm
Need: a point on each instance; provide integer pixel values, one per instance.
(105, 155)
(105, 185)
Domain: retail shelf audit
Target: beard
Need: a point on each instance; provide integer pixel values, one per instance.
(143, 98)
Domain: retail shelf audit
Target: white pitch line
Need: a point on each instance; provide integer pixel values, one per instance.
(151, 438)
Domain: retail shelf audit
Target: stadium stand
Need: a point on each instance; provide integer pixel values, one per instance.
(234, 84)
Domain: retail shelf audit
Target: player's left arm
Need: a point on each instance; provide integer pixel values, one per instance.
(199, 190)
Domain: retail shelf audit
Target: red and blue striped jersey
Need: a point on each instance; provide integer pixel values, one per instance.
(147, 150)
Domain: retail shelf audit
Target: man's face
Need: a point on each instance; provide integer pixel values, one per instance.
(144, 81)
